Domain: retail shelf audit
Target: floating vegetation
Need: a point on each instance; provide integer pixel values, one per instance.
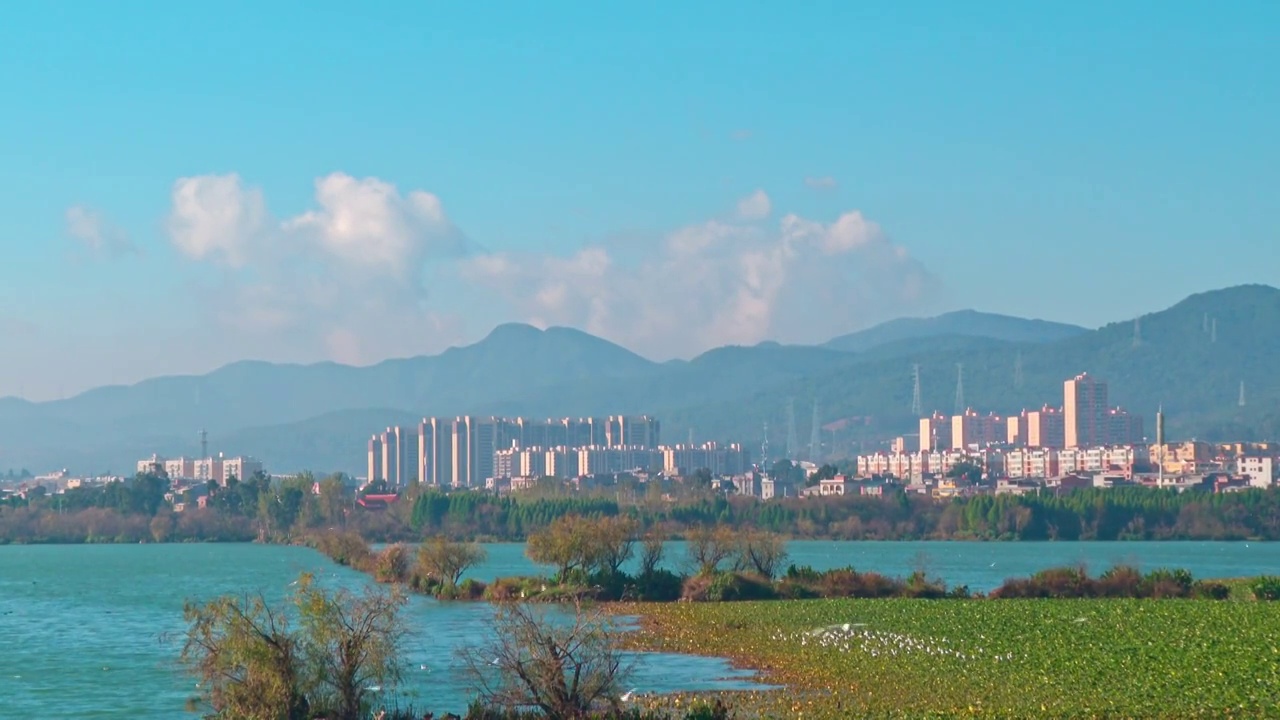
(895, 658)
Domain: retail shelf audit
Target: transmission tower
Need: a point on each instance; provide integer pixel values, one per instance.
(764, 448)
(204, 444)
(959, 388)
(815, 436)
(1137, 332)
(1241, 393)
(917, 407)
(1017, 370)
(792, 441)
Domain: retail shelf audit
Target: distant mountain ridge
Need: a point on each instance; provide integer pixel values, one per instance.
(1191, 358)
(963, 323)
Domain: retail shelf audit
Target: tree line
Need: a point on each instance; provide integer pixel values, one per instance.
(262, 508)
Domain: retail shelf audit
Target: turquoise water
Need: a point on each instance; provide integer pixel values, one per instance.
(980, 565)
(93, 631)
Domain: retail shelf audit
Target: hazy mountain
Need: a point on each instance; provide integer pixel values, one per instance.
(964, 323)
(1191, 358)
(1194, 372)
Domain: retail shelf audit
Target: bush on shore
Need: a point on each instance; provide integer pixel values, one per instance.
(1121, 581)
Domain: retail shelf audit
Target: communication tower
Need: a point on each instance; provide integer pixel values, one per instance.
(1137, 332)
(204, 444)
(959, 388)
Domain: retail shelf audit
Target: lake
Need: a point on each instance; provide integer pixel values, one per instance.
(92, 631)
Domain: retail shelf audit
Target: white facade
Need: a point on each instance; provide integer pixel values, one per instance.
(1259, 470)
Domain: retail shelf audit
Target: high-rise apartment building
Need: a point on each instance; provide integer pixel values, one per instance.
(632, 431)
(935, 432)
(1124, 428)
(1046, 428)
(1084, 409)
(970, 429)
(1016, 430)
(374, 469)
(460, 468)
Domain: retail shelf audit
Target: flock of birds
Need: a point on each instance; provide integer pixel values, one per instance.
(850, 637)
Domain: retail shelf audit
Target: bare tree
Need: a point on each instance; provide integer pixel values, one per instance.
(567, 668)
(445, 561)
(612, 541)
(760, 552)
(651, 553)
(709, 547)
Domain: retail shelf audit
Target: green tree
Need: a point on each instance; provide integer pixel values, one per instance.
(253, 665)
(445, 561)
(351, 644)
(248, 660)
(333, 500)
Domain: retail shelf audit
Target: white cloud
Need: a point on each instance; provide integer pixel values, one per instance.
(343, 280)
(718, 283)
(824, 182)
(755, 206)
(215, 217)
(99, 235)
(368, 223)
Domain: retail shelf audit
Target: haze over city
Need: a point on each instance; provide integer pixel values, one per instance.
(184, 187)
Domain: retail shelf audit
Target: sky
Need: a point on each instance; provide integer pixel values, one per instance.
(184, 185)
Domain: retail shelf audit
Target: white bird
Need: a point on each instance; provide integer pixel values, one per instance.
(422, 667)
(626, 697)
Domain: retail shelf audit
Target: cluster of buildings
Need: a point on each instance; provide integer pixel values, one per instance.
(567, 462)
(1084, 438)
(468, 451)
(1085, 419)
(208, 469)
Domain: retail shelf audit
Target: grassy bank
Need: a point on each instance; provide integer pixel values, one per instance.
(966, 658)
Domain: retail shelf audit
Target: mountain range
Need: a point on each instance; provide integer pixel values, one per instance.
(1191, 358)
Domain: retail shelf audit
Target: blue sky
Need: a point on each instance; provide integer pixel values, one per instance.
(668, 175)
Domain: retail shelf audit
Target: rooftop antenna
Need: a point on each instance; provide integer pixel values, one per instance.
(815, 437)
(1137, 332)
(917, 407)
(1241, 393)
(1017, 370)
(959, 388)
(204, 444)
(792, 441)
